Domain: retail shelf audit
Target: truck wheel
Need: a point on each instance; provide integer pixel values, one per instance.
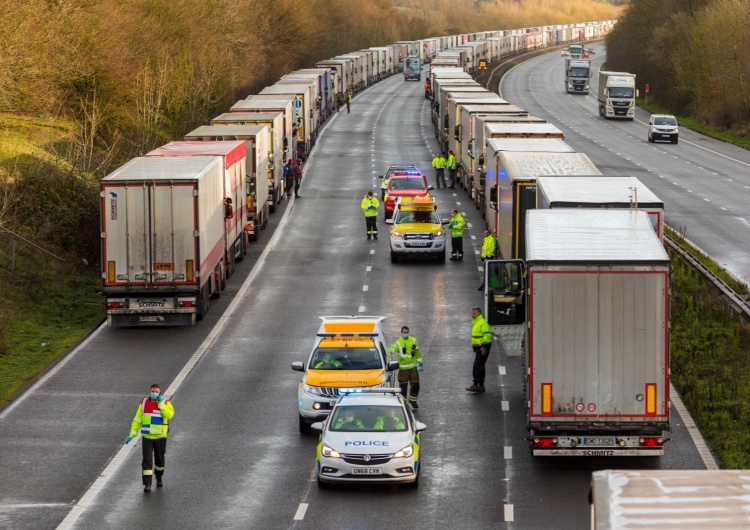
(272, 206)
(203, 303)
(254, 236)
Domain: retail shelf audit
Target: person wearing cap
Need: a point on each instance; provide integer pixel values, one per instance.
(370, 205)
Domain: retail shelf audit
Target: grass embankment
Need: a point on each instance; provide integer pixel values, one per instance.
(711, 366)
(47, 304)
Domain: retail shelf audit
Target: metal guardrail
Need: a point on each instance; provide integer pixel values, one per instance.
(737, 302)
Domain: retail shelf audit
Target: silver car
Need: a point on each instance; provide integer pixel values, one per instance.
(663, 127)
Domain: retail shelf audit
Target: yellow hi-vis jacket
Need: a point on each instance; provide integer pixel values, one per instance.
(370, 206)
(439, 162)
(489, 247)
(451, 162)
(481, 335)
(409, 354)
(152, 419)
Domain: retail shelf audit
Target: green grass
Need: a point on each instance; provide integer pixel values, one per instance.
(41, 327)
(710, 366)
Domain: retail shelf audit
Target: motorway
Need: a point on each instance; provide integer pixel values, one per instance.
(235, 458)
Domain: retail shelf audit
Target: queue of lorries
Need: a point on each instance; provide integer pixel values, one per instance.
(581, 292)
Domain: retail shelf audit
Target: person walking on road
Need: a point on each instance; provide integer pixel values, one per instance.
(481, 342)
(348, 101)
(452, 168)
(439, 164)
(489, 247)
(370, 205)
(297, 177)
(152, 421)
(409, 365)
(457, 225)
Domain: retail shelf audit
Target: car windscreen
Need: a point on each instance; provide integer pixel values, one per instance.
(665, 121)
(346, 359)
(373, 418)
(407, 184)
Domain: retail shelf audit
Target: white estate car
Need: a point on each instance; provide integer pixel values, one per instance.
(371, 436)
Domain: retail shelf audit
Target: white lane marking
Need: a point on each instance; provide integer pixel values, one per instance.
(361, 309)
(723, 208)
(88, 497)
(369, 268)
(500, 369)
(507, 452)
(458, 203)
(480, 269)
(469, 224)
(365, 288)
(508, 512)
(300, 515)
(372, 252)
(473, 237)
(687, 421)
(505, 406)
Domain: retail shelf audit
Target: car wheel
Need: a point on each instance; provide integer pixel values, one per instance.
(323, 485)
(415, 484)
(674, 141)
(304, 427)
(650, 140)
(394, 257)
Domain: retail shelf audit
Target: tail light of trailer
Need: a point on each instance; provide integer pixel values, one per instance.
(545, 442)
(656, 441)
(115, 305)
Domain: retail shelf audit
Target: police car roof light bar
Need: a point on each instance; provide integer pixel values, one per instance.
(370, 390)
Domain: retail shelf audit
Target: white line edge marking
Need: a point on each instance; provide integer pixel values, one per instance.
(300, 515)
(695, 435)
(89, 495)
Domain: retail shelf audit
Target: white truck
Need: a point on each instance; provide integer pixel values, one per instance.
(589, 310)
(689, 499)
(577, 75)
(163, 239)
(511, 189)
(259, 165)
(616, 94)
(575, 51)
(601, 192)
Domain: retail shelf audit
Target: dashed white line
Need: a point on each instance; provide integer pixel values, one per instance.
(365, 287)
(508, 513)
(372, 252)
(505, 406)
(300, 515)
(500, 369)
(361, 309)
(369, 268)
(507, 452)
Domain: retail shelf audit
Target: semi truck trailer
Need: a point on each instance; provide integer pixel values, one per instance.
(590, 304)
(616, 94)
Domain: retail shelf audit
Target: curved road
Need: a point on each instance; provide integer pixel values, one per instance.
(235, 458)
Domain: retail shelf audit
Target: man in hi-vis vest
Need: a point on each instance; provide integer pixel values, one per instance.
(152, 421)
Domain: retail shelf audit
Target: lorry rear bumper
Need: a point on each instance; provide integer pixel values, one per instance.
(598, 452)
(177, 317)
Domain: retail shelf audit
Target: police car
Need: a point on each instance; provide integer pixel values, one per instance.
(349, 352)
(371, 436)
(417, 229)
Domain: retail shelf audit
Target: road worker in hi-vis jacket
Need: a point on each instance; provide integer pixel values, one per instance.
(152, 421)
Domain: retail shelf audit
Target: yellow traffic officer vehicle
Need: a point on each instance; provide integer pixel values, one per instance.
(417, 229)
(349, 352)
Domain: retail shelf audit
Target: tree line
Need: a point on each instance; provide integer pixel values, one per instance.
(693, 54)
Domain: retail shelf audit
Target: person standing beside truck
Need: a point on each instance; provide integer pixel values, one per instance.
(427, 90)
(152, 420)
(370, 205)
(409, 365)
(348, 101)
(452, 168)
(481, 342)
(288, 178)
(489, 248)
(457, 225)
(297, 177)
(439, 164)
